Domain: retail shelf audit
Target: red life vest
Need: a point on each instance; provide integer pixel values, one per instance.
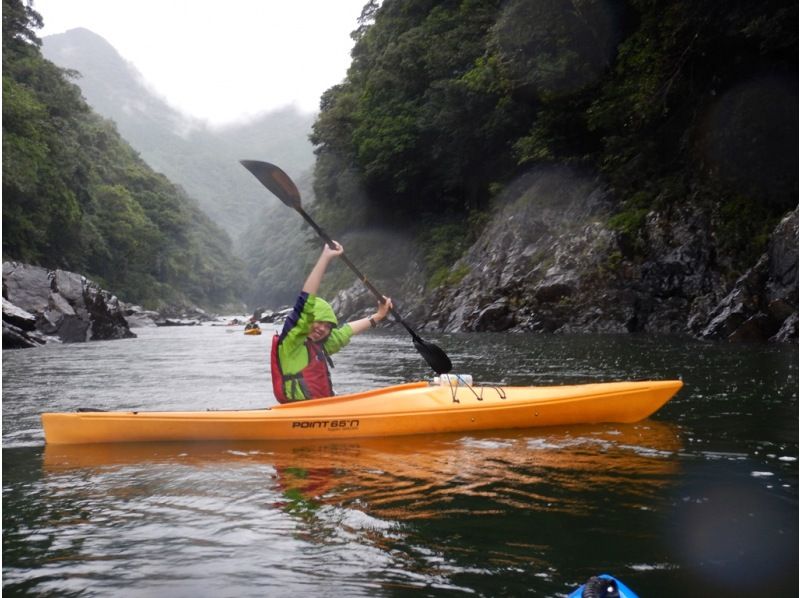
(314, 380)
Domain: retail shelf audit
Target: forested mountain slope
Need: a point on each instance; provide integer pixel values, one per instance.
(204, 160)
(76, 196)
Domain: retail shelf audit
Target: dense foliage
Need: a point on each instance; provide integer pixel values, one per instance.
(76, 196)
(446, 101)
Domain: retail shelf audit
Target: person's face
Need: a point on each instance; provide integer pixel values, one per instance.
(320, 331)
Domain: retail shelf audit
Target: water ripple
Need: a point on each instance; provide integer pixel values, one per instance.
(527, 512)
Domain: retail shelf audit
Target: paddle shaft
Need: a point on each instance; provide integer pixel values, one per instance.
(378, 295)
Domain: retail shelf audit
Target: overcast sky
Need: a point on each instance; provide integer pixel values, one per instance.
(222, 61)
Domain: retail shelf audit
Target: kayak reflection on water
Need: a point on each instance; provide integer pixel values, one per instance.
(417, 476)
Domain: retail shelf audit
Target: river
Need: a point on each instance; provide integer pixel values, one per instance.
(699, 500)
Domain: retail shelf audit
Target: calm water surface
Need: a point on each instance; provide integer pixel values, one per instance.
(699, 500)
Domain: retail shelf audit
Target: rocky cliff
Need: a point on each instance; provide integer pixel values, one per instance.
(549, 261)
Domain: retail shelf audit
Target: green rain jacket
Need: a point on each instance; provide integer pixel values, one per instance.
(292, 350)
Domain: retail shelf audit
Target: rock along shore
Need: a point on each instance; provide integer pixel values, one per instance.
(41, 305)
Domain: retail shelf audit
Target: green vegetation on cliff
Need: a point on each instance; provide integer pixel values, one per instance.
(76, 196)
(446, 102)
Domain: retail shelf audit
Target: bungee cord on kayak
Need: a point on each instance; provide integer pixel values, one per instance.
(453, 381)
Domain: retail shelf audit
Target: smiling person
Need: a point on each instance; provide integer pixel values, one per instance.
(301, 353)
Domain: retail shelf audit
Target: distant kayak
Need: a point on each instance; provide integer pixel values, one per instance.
(253, 331)
(414, 408)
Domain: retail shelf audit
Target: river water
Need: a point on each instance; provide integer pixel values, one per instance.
(699, 500)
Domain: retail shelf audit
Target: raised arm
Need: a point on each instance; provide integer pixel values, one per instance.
(314, 279)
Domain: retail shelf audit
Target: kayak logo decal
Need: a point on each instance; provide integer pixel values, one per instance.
(334, 425)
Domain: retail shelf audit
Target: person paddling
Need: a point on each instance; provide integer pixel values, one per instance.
(301, 353)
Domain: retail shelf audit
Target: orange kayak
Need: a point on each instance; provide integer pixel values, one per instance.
(406, 409)
(253, 331)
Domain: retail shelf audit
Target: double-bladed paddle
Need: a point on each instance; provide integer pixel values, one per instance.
(277, 181)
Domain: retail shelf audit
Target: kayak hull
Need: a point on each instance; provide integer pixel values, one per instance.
(415, 408)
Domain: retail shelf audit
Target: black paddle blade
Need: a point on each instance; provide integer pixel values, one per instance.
(436, 358)
(277, 181)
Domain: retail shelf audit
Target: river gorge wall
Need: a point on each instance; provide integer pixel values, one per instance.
(550, 262)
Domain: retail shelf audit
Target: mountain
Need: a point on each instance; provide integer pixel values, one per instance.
(201, 159)
(77, 197)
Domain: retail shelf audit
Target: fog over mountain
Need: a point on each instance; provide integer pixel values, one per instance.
(204, 160)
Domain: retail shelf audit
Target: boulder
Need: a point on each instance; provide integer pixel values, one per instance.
(18, 317)
(271, 317)
(140, 318)
(16, 338)
(176, 322)
(27, 287)
(106, 314)
(19, 328)
(183, 315)
(41, 305)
